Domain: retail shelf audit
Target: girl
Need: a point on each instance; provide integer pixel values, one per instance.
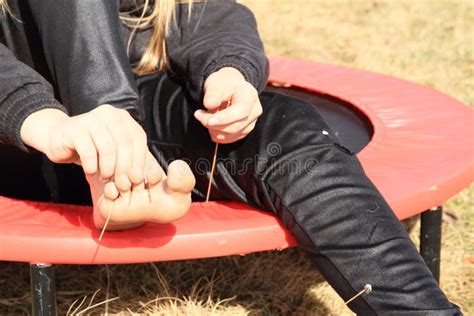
(189, 62)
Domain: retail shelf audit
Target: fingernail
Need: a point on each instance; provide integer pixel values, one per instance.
(213, 121)
(198, 115)
(220, 137)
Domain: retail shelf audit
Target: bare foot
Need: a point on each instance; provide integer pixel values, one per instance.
(168, 198)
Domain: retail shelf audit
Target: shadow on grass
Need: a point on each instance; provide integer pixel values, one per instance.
(274, 283)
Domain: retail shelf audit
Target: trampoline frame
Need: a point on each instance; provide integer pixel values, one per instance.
(375, 101)
(43, 286)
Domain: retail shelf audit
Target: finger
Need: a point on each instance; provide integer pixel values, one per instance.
(216, 91)
(86, 150)
(140, 150)
(105, 146)
(219, 137)
(243, 127)
(242, 103)
(204, 118)
(227, 138)
(223, 138)
(124, 154)
(154, 172)
(62, 149)
(235, 127)
(248, 129)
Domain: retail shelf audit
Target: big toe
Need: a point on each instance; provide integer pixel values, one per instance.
(180, 178)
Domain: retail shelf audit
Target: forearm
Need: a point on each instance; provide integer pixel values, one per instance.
(22, 92)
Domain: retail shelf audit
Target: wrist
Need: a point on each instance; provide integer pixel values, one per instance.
(38, 126)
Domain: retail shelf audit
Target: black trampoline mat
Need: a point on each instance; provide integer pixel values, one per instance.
(351, 126)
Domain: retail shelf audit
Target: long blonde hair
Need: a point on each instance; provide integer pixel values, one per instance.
(155, 57)
(4, 7)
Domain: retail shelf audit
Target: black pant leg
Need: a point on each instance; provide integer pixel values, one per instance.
(293, 165)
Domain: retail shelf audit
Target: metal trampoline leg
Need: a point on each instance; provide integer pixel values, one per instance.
(43, 289)
(430, 239)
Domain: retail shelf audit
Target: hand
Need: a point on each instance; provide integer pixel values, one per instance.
(105, 140)
(229, 124)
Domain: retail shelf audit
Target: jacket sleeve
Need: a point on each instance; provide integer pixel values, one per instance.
(85, 54)
(22, 92)
(216, 34)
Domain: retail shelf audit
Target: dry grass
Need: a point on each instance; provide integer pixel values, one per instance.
(429, 42)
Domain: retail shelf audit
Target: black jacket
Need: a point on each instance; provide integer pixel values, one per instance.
(74, 51)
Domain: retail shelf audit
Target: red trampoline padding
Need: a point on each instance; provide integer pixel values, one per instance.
(53, 233)
(421, 154)
(422, 150)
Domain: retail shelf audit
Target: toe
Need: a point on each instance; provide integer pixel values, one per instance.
(110, 191)
(180, 178)
(154, 172)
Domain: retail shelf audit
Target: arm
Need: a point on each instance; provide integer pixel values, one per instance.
(85, 54)
(218, 34)
(29, 115)
(219, 55)
(90, 70)
(22, 92)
